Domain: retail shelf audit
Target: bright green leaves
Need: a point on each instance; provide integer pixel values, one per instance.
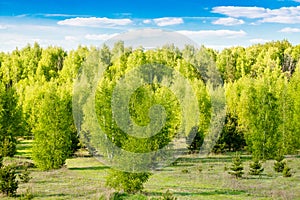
(51, 62)
(53, 128)
(11, 124)
(265, 113)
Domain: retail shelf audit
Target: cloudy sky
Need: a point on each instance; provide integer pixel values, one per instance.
(216, 23)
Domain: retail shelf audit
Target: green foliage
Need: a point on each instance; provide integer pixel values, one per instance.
(8, 181)
(168, 196)
(121, 196)
(195, 140)
(286, 172)
(261, 83)
(257, 105)
(256, 168)
(231, 138)
(53, 130)
(115, 196)
(25, 176)
(232, 64)
(236, 168)
(10, 120)
(51, 62)
(279, 163)
(27, 195)
(126, 181)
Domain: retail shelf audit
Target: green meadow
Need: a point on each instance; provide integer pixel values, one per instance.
(190, 177)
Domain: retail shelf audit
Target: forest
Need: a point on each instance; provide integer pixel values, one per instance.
(258, 86)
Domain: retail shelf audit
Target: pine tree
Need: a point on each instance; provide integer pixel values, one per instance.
(256, 168)
(286, 172)
(8, 182)
(236, 167)
(279, 163)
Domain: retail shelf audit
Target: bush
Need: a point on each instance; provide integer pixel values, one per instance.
(279, 164)
(286, 172)
(27, 195)
(121, 196)
(165, 196)
(8, 182)
(256, 168)
(24, 176)
(185, 171)
(8, 146)
(127, 181)
(116, 196)
(168, 196)
(236, 167)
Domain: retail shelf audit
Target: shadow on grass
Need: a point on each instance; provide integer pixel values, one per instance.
(204, 193)
(24, 149)
(260, 177)
(49, 195)
(210, 159)
(182, 165)
(89, 168)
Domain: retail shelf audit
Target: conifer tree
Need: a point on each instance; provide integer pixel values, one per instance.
(256, 168)
(236, 167)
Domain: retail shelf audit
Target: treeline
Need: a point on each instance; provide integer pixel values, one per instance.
(261, 82)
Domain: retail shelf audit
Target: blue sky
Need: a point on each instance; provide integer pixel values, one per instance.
(216, 23)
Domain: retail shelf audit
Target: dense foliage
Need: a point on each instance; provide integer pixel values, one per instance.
(261, 84)
(8, 181)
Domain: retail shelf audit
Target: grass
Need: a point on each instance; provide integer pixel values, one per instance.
(190, 178)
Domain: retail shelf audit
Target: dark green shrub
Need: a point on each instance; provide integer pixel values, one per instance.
(279, 164)
(185, 171)
(127, 181)
(137, 197)
(195, 140)
(286, 172)
(256, 168)
(24, 176)
(8, 146)
(200, 168)
(231, 138)
(168, 196)
(236, 168)
(8, 182)
(27, 195)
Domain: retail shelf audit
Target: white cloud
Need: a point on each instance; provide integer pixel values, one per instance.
(228, 21)
(214, 33)
(167, 21)
(290, 30)
(283, 15)
(70, 38)
(282, 19)
(258, 41)
(94, 22)
(58, 15)
(238, 11)
(147, 21)
(101, 37)
(2, 27)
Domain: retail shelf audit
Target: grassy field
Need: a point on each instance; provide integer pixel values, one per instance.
(190, 178)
